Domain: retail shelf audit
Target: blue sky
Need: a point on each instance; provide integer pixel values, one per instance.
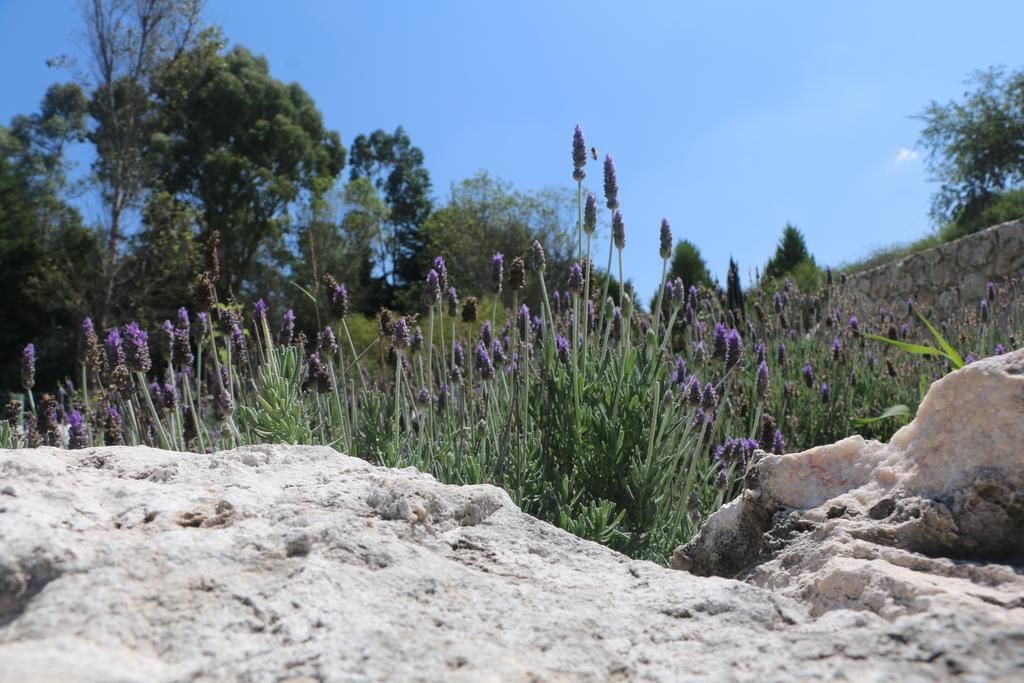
(728, 118)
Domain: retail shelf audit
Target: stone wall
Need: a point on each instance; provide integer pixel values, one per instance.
(951, 276)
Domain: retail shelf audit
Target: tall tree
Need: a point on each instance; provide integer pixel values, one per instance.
(485, 215)
(243, 148)
(395, 167)
(48, 259)
(688, 264)
(790, 253)
(976, 146)
(129, 43)
(337, 236)
(734, 290)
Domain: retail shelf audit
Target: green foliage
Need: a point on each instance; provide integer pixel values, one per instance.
(734, 290)
(243, 147)
(688, 264)
(162, 259)
(791, 252)
(279, 413)
(47, 257)
(1001, 207)
(484, 210)
(888, 254)
(974, 146)
(395, 169)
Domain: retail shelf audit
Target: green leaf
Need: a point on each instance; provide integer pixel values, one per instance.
(918, 349)
(898, 410)
(954, 358)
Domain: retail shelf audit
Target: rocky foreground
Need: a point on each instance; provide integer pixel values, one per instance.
(858, 561)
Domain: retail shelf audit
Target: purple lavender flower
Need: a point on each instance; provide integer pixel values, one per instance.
(498, 353)
(693, 391)
(910, 306)
(828, 275)
(556, 302)
(618, 230)
(423, 398)
(762, 380)
(115, 348)
(904, 331)
(666, 240)
(201, 319)
(777, 302)
(778, 444)
(77, 435)
(259, 312)
(328, 342)
(576, 279)
(137, 348)
(808, 373)
(485, 333)
(181, 354)
(579, 154)
(113, 433)
(984, 310)
(709, 399)
(719, 345)
(678, 293)
(611, 184)
(400, 338)
(761, 352)
(562, 346)
(28, 367)
(168, 397)
(523, 322)
(590, 214)
(824, 392)
(854, 325)
(733, 348)
(183, 319)
(537, 260)
(497, 271)
(238, 345)
(483, 362)
(990, 289)
(616, 332)
(679, 374)
(837, 346)
(338, 296)
(1000, 349)
(442, 273)
(699, 419)
(432, 292)
(442, 396)
(853, 378)
(969, 359)
(317, 376)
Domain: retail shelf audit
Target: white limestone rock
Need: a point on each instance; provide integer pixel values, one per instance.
(928, 528)
(298, 564)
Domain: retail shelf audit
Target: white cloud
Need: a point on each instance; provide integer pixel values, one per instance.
(905, 155)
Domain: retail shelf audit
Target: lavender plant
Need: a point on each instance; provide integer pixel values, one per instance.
(624, 428)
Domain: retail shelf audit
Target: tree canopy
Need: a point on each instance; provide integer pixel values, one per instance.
(975, 147)
(790, 253)
(242, 147)
(688, 264)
